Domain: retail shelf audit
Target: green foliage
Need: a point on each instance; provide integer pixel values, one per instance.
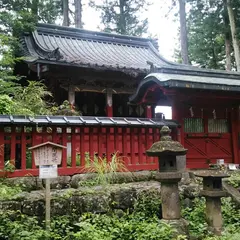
(128, 227)
(8, 192)
(66, 109)
(15, 225)
(29, 100)
(8, 82)
(148, 204)
(141, 224)
(231, 215)
(106, 170)
(9, 166)
(196, 218)
(206, 33)
(124, 17)
(6, 104)
(197, 222)
(16, 17)
(234, 179)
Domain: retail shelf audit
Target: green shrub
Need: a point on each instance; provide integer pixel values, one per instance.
(231, 215)
(7, 192)
(234, 179)
(6, 104)
(106, 170)
(129, 227)
(196, 218)
(148, 204)
(16, 226)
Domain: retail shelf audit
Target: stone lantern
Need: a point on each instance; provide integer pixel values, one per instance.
(169, 154)
(213, 191)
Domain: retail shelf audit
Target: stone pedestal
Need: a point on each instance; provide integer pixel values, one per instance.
(170, 201)
(213, 191)
(214, 215)
(169, 155)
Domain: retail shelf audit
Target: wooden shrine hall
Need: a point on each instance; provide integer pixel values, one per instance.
(95, 71)
(206, 103)
(116, 82)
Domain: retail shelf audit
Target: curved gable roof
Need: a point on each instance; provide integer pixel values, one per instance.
(77, 47)
(228, 81)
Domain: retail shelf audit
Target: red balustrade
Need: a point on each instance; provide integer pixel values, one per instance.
(83, 143)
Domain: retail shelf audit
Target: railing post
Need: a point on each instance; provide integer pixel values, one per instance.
(23, 149)
(1, 147)
(73, 147)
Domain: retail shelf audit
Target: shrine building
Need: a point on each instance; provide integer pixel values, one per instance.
(116, 82)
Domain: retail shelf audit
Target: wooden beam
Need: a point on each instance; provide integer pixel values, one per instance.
(71, 95)
(83, 88)
(109, 103)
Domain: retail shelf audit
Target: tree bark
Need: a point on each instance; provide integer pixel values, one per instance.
(78, 13)
(227, 39)
(122, 26)
(65, 5)
(183, 32)
(236, 47)
(228, 53)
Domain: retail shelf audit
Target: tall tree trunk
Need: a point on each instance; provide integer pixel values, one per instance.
(228, 53)
(34, 7)
(236, 47)
(183, 32)
(65, 5)
(123, 24)
(78, 13)
(227, 38)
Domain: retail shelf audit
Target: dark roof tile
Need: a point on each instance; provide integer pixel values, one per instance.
(80, 47)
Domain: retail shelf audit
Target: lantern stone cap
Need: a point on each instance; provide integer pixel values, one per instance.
(45, 144)
(213, 193)
(166, 146)
(211, 173)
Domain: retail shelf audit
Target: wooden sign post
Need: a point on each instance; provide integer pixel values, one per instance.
(47, 156)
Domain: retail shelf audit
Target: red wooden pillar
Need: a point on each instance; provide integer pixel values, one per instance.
(109, 108)
(13, 145)
(177, 115)
(148, 111)
(1, 147)
(23, 148)
(234, 123)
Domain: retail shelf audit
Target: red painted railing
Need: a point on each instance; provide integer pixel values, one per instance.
(83, 143)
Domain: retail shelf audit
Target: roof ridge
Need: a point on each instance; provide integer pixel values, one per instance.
(80, 31)
(66, 45)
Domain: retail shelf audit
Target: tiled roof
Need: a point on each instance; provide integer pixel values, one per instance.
(78, 47)
(85, 121)
(224, 83)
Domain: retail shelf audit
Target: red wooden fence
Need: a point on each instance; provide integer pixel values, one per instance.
(83, 143)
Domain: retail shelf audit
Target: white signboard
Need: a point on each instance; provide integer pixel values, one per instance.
(49, 171)
(47, 155)
(220, 161)
(232, 166)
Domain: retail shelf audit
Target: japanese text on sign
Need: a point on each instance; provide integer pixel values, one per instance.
(47, 155)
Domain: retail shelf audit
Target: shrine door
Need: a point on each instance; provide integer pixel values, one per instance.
(207, 140)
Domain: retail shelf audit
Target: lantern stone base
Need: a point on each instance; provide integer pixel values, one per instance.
(179, 225)
(214, 215)
(170, 201)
